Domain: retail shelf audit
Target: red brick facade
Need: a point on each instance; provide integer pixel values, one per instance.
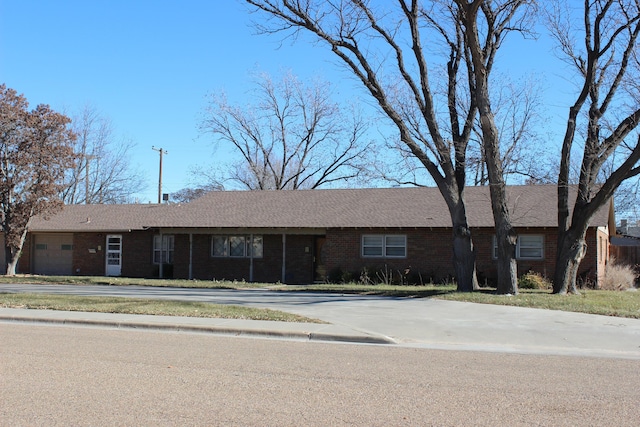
(137, 258)
(428, 256)
(430, 253)
(88, 254)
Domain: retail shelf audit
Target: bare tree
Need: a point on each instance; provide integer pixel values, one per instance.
(202, 179)
(103, 172)
(187, 194)
(627, 201)
(603, 120)
(384, 47)
(293, 137)
(36, 150)
(482, 20)
(525, 158)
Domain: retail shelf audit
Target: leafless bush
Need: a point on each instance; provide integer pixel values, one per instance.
(618, 277)
(533, 280)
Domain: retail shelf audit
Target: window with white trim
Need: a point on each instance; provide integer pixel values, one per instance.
(384, 246)
(163, 249)
(236, 246)
(528, 246)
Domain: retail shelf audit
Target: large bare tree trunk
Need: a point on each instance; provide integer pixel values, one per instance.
(12, 253)
(506, 236)
(464, 262)
(505, 233)
(12, 262)
(464, 254)
(507, 266)
(572, 246)
(608, 66)
(571, 251)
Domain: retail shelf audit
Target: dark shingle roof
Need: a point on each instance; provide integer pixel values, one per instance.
(531, 206)
(79, 218)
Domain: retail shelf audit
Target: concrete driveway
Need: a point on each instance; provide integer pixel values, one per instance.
(420, 322)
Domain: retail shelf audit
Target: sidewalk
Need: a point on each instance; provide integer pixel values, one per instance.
(235, 327)
(410, 322)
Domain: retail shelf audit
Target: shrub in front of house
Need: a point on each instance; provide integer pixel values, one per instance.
(618, 277)
(533, 280)
(338, 275)
(376, 275)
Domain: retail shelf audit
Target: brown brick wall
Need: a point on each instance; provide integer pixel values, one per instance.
(86, 263)
(299, 262)
(429, 254)
(137, 255)
(486, 265)
(268, 268)
(181, 256)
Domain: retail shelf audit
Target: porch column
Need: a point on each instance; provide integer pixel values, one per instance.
(251, 257)
(160, 269)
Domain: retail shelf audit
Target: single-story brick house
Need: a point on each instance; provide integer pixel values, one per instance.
(299, 236)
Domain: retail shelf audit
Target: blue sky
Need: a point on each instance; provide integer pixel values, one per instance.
(148, 66)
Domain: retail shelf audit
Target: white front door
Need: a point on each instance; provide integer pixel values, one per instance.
(114, 255)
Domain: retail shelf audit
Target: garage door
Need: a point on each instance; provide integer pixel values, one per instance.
(53, 254)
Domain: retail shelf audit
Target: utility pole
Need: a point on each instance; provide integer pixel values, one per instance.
(161, 151)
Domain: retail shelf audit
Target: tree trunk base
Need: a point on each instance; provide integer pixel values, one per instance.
(569, 257)
(464, 262)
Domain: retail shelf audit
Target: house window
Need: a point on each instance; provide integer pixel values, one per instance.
(238, 246)
(527, 247)
(163, 249)
(220, 246)
(384, 246)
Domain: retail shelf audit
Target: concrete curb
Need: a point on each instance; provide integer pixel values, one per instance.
(247, 328)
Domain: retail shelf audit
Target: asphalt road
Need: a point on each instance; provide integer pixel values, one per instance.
(55, 376)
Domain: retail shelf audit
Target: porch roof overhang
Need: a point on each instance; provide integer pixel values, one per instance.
(241, 230)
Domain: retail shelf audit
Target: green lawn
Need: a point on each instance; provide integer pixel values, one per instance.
(610, 303)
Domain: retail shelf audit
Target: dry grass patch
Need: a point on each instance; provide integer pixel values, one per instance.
(130, 281)
(145, 306)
